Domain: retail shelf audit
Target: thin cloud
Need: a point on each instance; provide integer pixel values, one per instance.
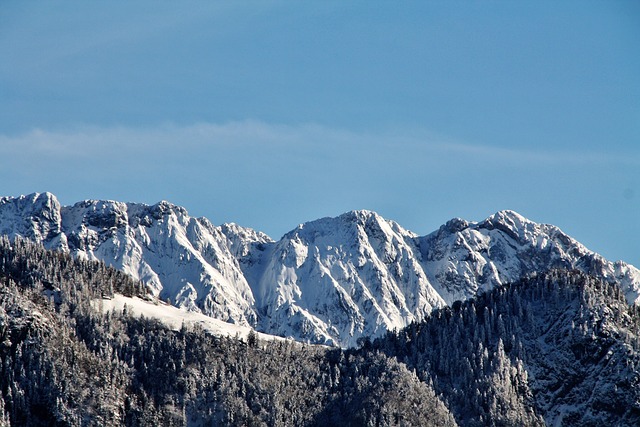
(87, 142)
(526, 155)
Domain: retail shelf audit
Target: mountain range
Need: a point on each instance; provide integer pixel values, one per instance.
(558, 348)
(330, 281)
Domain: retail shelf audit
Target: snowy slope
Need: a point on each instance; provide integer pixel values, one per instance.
(175, 317)
(328, 281)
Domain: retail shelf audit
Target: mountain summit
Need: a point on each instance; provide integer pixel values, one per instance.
(332, 280)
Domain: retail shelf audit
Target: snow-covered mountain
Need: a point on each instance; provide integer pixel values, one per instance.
(331, 281)
(345, 277)
(183, 259)
(463, 258)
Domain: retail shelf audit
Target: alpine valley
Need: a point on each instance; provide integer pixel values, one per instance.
(330, 281)
(503, 322)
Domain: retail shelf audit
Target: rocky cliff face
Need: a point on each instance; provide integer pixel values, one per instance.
(463, 258)
(183, 259)
(351, 276)
(331, 281)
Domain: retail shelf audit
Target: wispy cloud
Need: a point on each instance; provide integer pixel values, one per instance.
(87, 142)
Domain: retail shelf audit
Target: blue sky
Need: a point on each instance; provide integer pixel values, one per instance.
(270, 114)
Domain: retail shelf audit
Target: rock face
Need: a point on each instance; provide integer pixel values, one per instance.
(183, 259)
(330, 281)
(465, 258)
(351, 276)
(36, 217)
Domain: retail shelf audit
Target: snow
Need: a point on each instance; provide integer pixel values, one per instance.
(174, 317)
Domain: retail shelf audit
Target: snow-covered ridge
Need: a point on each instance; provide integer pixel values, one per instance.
(330, 281)
(174, 318)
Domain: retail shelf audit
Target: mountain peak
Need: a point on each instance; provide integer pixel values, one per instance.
(35, 216)
(351, 225)
(34, 200)
(359, 214)
(455, 225)
(44, 196)
(509, 217)
(512, 223)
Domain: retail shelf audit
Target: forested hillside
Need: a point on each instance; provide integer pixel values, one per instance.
(558, 348)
